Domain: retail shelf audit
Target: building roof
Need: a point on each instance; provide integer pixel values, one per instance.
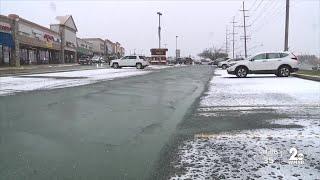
(107, 40)
(68, 21)
(93, 39)
(14, 16)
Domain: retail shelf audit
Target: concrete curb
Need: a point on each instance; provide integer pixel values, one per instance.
(308, 77)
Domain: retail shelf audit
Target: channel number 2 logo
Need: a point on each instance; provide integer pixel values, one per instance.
(295, 158)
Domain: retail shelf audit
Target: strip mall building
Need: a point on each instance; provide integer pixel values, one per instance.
(23, 42)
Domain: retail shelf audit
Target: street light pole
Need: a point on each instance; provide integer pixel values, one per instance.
(286, 36)
(177, 47)
(159, 29)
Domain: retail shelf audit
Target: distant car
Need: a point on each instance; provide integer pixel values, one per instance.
(215, 62)
(211, 63)
(205, 61)
(139, 62)
(317, 68)
(226, 64)
(85, 60)
(97, 59)
(278, 63)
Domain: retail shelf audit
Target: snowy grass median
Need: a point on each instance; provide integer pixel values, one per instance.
(13, 84)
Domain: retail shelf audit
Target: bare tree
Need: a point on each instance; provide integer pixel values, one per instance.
(309, 59)
(213, 53)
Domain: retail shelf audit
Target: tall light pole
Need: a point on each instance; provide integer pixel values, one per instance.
(286, 36)
(159, 29)
(177, 47)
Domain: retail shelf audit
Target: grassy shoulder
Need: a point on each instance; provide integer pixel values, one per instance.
(309, 72)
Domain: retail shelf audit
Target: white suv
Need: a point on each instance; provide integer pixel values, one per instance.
(278, 63)
(130, 61)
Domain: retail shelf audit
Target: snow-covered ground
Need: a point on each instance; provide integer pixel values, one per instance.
(243, 154)
(13, 84)
(260, 90)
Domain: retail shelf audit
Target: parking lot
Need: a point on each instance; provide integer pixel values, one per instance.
(246, 128)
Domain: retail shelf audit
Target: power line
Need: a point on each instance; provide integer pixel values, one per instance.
(257, 6)
(270, 19)
(263, 13)
(255, 2)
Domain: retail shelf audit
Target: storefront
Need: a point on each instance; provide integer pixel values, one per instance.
(38, 44)
(6, 44)
(38, 55)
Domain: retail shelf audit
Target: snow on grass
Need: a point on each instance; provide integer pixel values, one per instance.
(226, 90)
(13, 84)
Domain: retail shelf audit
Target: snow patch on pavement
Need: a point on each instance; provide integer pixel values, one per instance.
(244, 154)
(13, 84)
(159, 66)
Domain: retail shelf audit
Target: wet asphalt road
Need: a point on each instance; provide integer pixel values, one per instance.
(108, 130)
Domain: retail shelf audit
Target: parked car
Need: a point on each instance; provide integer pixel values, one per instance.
(278, 63)
(97, 59)
(139, 62)
(211, 63)
(215, 62)
(226, 64)
(85, 60)
(317, 68)
(205, 61)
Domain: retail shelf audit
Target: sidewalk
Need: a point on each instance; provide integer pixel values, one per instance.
(45, 68)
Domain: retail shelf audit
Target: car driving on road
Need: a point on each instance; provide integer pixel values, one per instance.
(97, 59)
(139, 62)
(278, 63)
(85, 60)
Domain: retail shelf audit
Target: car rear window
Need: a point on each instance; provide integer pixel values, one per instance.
(132, 57)
(284, 55)
(273, 55)
(260, 57)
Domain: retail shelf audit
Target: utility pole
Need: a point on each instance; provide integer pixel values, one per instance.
(244, 29)
(227, 40)
(233, 33)
(159, 29)
(286, 36)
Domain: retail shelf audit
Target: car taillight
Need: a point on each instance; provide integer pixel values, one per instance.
(294, 57)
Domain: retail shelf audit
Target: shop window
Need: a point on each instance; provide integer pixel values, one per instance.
(6, 55)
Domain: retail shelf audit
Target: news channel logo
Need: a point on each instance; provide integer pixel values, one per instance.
(291, 156)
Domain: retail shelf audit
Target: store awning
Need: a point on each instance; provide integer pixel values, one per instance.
(6, 39)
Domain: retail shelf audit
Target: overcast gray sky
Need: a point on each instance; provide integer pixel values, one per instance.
(199, 24)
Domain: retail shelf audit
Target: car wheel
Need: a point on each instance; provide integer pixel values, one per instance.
(224, 66)
(115, 65)
(284, 71)
(241, 72)
(139, 66)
